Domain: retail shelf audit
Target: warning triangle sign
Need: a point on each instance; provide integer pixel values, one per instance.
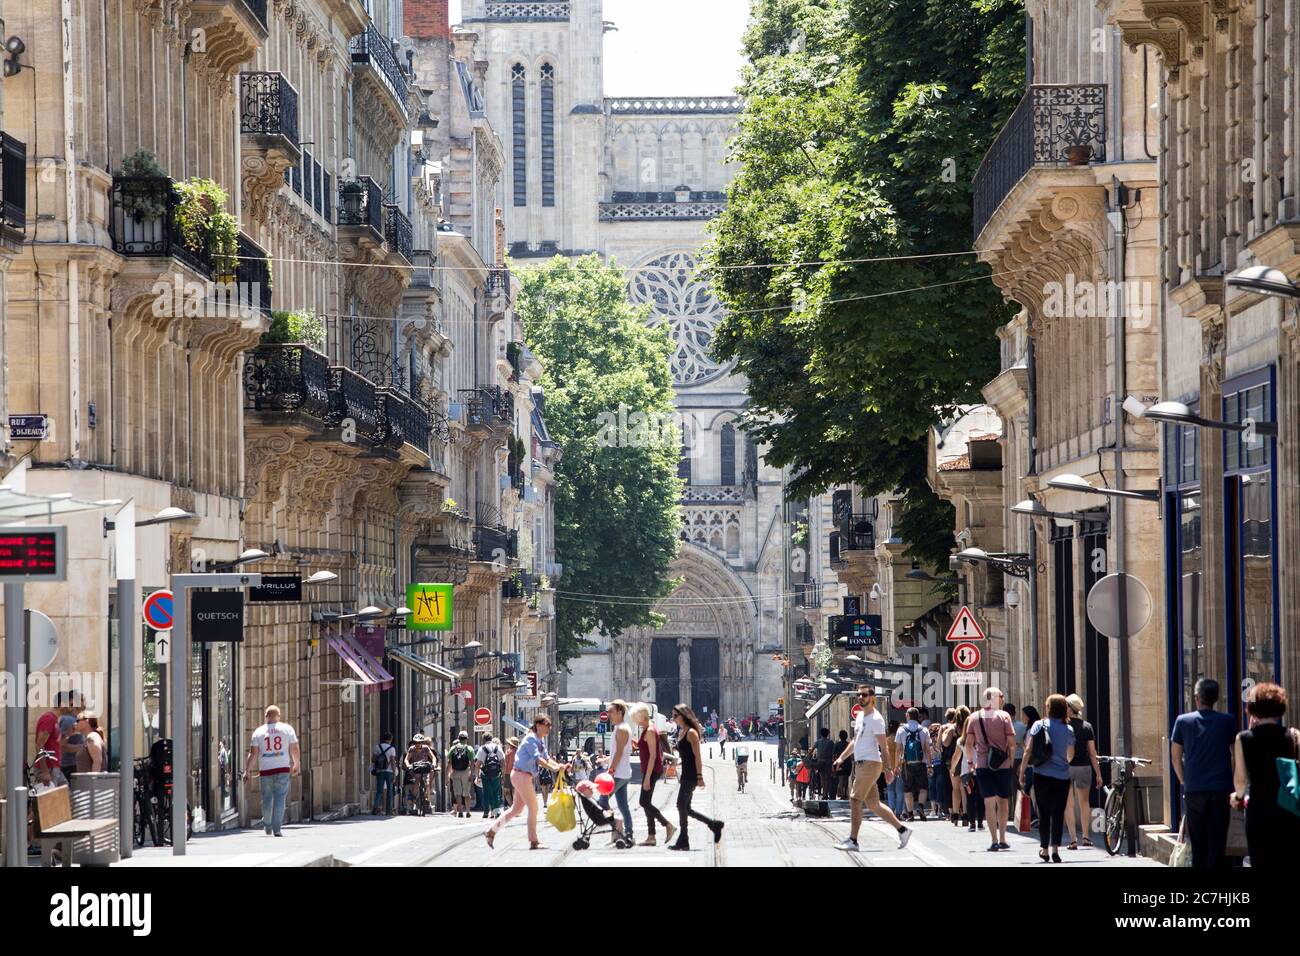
(965, 628)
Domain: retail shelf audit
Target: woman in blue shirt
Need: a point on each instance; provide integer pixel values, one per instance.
(1052, 776)
(531, 755)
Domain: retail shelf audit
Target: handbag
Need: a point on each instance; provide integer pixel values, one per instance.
(997, 756)
(1040, 746)
(1237, 845)
(1288, 776)
(1182, 853)
(560, 813)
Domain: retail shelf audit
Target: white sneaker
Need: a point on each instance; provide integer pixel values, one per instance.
(849, 844)
(903, 836)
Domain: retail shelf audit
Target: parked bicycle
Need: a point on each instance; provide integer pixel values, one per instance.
(1115, 822)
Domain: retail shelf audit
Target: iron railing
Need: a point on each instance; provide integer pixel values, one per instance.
(397, 231)
(858, 533)
(808, 594)
(361, 203)
(253, 273)
(374, 49)
(488, 406)
(287, 378)
(143, 222)
(1052, 125)
(13, 182)
(406, 421)
(495, 544)
(268, 105)
(353, 397)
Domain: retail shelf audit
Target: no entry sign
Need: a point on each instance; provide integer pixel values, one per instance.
(158, 610)
(482, 717)
(857, 709)
(604, 716)
(966, 656)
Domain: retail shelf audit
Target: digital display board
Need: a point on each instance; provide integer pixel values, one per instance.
(36, 553)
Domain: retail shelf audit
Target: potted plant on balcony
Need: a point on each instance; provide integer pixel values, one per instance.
(207, 227)
(297, 328)
(142, 203)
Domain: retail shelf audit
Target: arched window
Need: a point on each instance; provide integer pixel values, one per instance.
(548, 135)
(728, 454)
(519, 132)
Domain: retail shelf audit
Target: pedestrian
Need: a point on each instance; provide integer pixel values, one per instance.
(793, 763)
(488, 764)
(991, 740)
(866, 750)
(507, 791)
(274, 749)
(1052, 776)
(90, 754)
(1272, 833)
(825, 750)
(912, 761)
(944, 741)
(1201, 746)
(1032, 716)
(383, 767)
(620, 768)
(690, 777)
(652, 767)
(70, 739)
(845, 773)
(971, 796)
(741, 752)
(530, 758)
(953, 756)
(50, 729)
(722, 741)
(891, 789)
(1085, 774)
(460, 760)
(419, 761)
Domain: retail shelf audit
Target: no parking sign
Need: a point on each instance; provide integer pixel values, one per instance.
(157, 610)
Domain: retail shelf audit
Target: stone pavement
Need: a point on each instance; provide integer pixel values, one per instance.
(762, 829)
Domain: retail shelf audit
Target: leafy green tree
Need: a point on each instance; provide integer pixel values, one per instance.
(864, 123)
(609, 406)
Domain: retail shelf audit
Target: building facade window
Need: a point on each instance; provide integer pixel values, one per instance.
(1063, 611)
(1189, 655)
(728, 446)
(519, 133)
(548, 135)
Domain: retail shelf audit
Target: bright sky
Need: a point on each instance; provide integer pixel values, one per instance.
(670, 47)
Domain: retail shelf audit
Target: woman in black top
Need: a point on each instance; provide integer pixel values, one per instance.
(1272, 834)
(1085, 774)
(688, 750)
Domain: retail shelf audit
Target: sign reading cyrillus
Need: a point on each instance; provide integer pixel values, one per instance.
(431, 607)
(277, 587)
(216, 616)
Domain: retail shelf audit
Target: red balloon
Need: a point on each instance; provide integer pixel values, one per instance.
(605, 784)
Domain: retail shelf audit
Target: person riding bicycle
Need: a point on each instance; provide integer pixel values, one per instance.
(418, 763)
(742, 766)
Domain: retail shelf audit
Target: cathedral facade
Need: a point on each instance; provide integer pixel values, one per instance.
(636, 180)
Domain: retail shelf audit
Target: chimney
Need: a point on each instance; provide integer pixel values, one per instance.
(426, 20)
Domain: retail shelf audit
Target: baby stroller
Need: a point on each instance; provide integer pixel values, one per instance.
(591, 819)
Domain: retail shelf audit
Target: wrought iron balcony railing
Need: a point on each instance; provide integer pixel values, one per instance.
(361, 203)
(143, 222)
(858, 533)
(268, 106)
(488, 406)
(406, 421)
(1053, 125)
(808, 594)
(287, 378)
(13, 182)
(496, 545)
(253, 274)
(397, 231)
(375, 50)
(354, 397)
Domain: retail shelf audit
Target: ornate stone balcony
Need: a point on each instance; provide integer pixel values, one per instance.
(233, 31)
(143, 224)
(253, 274)
(268, 126)
(397, 233)
(361, 212)
(288, 382)
(488, 408)
(498, 292)
(374, 62)
(712, 495)
(530, 11)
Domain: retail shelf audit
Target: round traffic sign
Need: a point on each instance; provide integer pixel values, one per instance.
(482, 717)
(604, 716)
(158, 610)
(1104, 605)
(966, 656)
(857, 709)
(42, 641)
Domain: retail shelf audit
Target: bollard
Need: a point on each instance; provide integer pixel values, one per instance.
(710, 753)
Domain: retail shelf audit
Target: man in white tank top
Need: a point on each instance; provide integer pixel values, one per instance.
(620, 768)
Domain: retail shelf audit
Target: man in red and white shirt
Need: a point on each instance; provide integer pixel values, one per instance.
(275, 749)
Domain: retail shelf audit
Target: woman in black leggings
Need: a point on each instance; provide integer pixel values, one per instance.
(688, 749)
(652, 767)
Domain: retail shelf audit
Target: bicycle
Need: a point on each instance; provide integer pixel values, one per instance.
(145, 817)
(1115, 824)
(420, 770)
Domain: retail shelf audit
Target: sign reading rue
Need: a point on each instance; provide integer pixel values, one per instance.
(431, 607)
(216, 616)
(277, 587)
(29, 427)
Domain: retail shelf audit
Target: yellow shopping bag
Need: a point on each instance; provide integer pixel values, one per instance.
(561, 813)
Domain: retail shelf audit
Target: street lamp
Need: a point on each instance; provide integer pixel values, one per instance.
(1177, 413)
(1069, 482)
(1036, 509)
(1265, 280)
(1015, 563)
(248, 556)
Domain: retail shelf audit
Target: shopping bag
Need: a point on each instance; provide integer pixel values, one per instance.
(1288, 791)
(1182, 852)
(1025, 822)
(561, 812)
(1237, 845)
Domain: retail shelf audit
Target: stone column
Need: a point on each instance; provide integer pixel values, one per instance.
(683, 671)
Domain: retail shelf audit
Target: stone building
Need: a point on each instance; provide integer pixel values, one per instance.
(636, 179)
(1067, 207)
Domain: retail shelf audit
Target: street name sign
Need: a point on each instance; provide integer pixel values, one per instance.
(34, 427)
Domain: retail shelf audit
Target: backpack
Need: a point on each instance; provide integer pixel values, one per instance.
(1040, 749)
(491, 762)
(810, 759)
(379, 762)
(913, 751)
(460, 757)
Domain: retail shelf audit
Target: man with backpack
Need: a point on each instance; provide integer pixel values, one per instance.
(460, 760)
(383, 767)
(913, 748)
(488, 763)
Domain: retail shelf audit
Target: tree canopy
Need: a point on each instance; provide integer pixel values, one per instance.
(609, 406)
(864, 123)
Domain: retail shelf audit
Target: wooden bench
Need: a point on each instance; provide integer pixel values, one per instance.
(55, 824)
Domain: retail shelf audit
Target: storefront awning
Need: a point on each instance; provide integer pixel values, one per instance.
(369, 670)
(822, 703)
(421, 664)
(511, 722)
